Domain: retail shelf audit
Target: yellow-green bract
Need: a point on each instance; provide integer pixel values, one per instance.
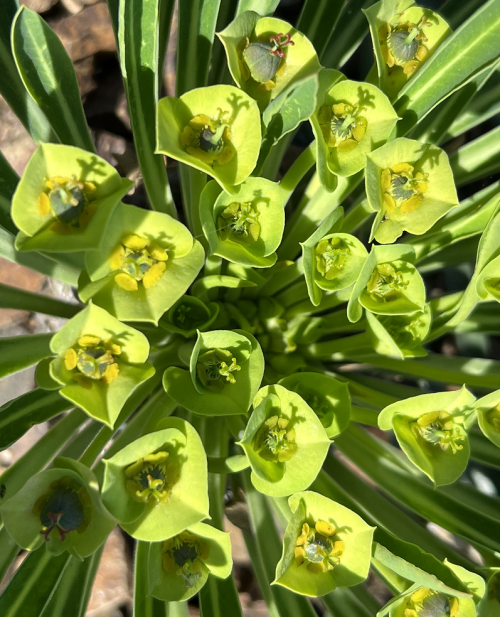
(432, 431)
(100, 362)
(157, 485)
(329, 523)
(60, 507)
(147, 260)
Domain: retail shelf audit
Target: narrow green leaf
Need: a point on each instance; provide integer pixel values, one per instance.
(197, 20)
(285, 113)
(14, 298)
(317, 21)
(139, 44)
(12, 87)
(484, 105)
(33, 584)
(477, 159)
(219, 597)
(144, 604)
(456, 13)
(19, 352)
(36, 261)
(262, 7)
(8, 553)
(49, 77)
(177, 609)
(73, 590)
(343, 603)
(268, 544)
(350, 29)
(8, 183)
(468, 50)
(20, 414)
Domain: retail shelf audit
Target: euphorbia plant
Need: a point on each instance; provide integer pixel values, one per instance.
(237, 336)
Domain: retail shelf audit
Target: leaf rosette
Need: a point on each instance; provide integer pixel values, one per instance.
(326, 396)
(156, 486)
(145, 264)
(225, 372)
(188, 315)
(265, 55)
(404, 36)
(388, 284)
(100, 362)
(245, 227)
(64, 200)
(284, 441)
(325, 546)
(179, 567)
(432, 431)
(410, 186)
(399, 336)
(60, 507)
(215, 129)
(351, 120)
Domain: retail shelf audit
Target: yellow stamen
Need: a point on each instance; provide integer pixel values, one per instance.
(226, 155)
(325, 529)
(402, 167)
(199, 122)
(157, 252)
(428, 418)
(89, 341)
(43, 204)
(111, 373)
(412, 204)
(70, 359)
(136, 243)
(126, 282)
(153, 275)
(117, 258)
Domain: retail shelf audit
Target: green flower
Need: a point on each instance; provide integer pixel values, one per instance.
(404, 37)
(285, 442)
(490, 604)
(100, 363)
(388, 284)
(488, 416)
(61, 508)
(431, 430)
(351, 120)
(327, 397)
(145, 264)
(266, 55)
(214, 129)
(399, 336)
(188, 315)
(179, 567)
(64, 200)
(410, 185)
(157, 486)
(488, 281)
(325, 546)
(426, 602)
(245, 228)
(225, 373)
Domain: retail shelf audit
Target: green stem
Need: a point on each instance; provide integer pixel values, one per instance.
(328, 349)
(356, 216)
(298, 170)
(13, 298)
(192, 183)
(232, 464)
(364, 416)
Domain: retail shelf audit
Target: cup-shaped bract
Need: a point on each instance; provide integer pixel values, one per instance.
(404, 37)
(266, 55)
(100, 362)
(487, 409)
(351, 120)
(326, 396)
(410, 186)
(488, 281)
(245, 227)
(431, 430)
(284, 441)
(64, 200)
(157, 486)
(226, 369)
(145, 264)
(399, 336)
(490, 604)
(424, 601)
(188, 315)
(60, 507)
(179, 567)
(215, 129)
(388, 284)
(325, 546)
